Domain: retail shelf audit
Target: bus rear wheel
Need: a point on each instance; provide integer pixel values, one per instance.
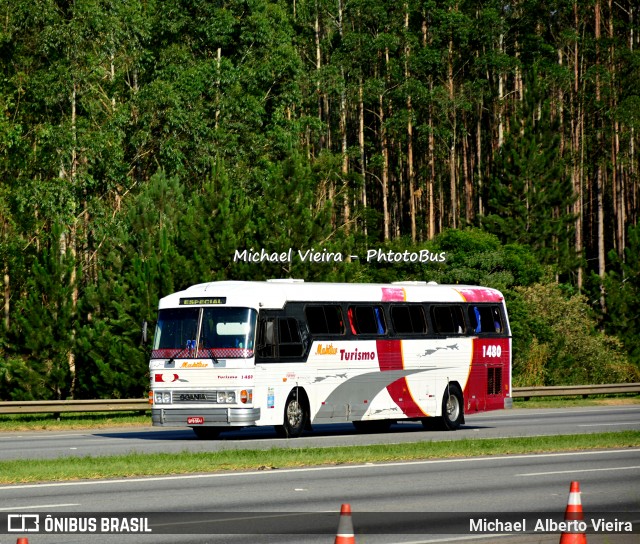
(295, 417)
(452, 409)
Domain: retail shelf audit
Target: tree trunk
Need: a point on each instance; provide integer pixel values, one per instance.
(468, 182)
(453, 196)
(363, 169)
(599, 167)
(577, 117)
(410, 172)
(72, 237)
(385, 169)
(7, 298)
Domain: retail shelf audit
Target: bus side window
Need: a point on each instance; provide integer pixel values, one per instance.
(324, 319)
(352, 327)
(266, 340)
(408, 319)
(366, 320)
(476, 319)
(448, 319)
(290, 342)
(497, 320)
(485, 319)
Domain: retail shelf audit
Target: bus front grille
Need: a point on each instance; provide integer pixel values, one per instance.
(194, 397)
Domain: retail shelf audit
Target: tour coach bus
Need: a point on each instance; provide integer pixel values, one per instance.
(291, 354)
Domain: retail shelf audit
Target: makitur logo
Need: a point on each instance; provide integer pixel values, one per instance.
(326, 350)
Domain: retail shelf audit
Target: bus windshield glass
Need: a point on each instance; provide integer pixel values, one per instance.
(205, 332)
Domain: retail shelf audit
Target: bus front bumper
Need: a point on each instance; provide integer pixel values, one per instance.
(204, 417)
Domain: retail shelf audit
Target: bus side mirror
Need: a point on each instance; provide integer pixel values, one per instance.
(145, 334)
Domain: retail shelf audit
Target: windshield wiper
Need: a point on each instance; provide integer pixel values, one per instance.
(191, 346)
(209, 351)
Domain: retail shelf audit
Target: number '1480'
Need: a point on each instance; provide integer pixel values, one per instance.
(491, 351)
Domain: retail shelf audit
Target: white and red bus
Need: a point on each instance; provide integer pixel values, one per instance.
(292, 354)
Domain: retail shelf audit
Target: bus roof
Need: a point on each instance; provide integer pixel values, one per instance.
(274, 294)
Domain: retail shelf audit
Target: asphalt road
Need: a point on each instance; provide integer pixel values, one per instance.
(505, 423)
(392, 503)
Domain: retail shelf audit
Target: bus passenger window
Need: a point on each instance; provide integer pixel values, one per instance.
(448, 319)
(475, 319)
(290, 343)
(408, 319)
(497, 321)
(485, 319)
(325, 319)
(350, 317)
(266, 340)
(367, 320)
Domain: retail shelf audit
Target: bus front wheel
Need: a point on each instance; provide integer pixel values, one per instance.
(452, 409)
(295, 416)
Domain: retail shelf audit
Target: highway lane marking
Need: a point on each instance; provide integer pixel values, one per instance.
(83, 436)
(602, 424)
(36, 506)
(458, 538)
(314, 469)
(331, 513)
(531, 412)
(579, 470)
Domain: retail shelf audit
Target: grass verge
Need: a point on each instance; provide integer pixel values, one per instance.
(71, 421)
(133, 465)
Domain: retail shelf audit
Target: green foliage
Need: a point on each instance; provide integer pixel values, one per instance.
(478, 258)
(471, 257)
(216, 220)
(530, 193)
(622, 288)
(110, 360)
(137, 271)
(42, 334)
(556, 341)
(295, 213)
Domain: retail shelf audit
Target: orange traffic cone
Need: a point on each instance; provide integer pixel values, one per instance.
(573, 513)
(23, 541)
(345, 527)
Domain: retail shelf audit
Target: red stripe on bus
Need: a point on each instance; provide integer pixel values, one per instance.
(393, 294)
(389, 354)
(390, 358)
(478, 294)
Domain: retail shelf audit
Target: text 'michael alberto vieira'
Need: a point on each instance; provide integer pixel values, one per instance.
(549, 525)
(324, 256)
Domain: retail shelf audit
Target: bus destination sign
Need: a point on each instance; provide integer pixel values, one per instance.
(197, 301)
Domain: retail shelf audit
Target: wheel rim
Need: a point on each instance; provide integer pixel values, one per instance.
(453, 408)
(294, 414)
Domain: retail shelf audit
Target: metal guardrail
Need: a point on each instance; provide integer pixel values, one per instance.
(571, 390)
(59, 406)
(142, 405)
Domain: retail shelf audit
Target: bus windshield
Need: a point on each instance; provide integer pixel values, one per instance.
(208, 332)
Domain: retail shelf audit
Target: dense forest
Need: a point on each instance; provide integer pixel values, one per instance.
(145, 142)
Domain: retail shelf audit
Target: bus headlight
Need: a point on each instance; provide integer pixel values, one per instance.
(226, 397)
(162, 397)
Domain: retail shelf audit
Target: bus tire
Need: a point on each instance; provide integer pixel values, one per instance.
(296, 415)
(452, 408)
(207, 433)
